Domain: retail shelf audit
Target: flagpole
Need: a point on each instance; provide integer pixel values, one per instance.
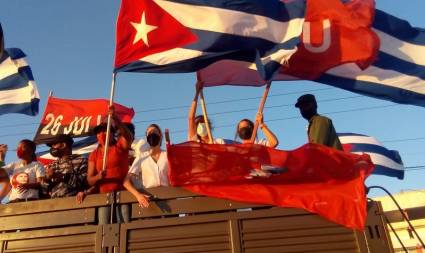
(260, 110)
(204, 112)
(108, 124)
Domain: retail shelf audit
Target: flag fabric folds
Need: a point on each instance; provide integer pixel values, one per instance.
(313, 177)
(334, 33)
(76, 117)
(18, 91)
(1, 42)
(398, 74)
(387, 162)
(187, 35)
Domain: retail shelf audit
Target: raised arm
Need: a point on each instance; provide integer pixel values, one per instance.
(125, 137)
(270, 136)
(192, 114)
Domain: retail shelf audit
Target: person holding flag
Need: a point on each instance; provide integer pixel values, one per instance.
(111, 179)
(245, 130)
(197, 126)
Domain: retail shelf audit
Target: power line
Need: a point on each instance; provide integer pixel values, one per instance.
(210, 103)
(296, 117)
(403, 140)
(217, 113)
(232, 100)
(15, 134)
(242, 110)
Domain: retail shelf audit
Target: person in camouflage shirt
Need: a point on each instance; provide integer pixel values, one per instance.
(67, 175)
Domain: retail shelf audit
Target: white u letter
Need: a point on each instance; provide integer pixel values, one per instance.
(326, 37)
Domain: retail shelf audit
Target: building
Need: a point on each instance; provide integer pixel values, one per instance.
(413, 203)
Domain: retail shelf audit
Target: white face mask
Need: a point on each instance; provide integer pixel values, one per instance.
(201, 130)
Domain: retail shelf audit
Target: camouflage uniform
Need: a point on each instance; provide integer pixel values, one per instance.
(70, 176)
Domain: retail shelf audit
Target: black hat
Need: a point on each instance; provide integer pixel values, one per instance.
(304, 99)
(62, 138)
(102, 127)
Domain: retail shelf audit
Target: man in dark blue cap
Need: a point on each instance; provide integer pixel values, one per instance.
(320, 128)
(66, 176)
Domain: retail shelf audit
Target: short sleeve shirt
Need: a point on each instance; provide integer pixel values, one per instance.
(151, 173)
(20, 174)
(116, 167)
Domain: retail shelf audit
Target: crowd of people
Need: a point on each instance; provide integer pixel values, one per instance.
(75, 175)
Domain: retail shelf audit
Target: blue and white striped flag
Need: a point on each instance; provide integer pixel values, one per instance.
(18, 92)
(398, 74)
(387, 162)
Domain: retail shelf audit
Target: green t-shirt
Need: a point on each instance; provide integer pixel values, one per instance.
(322, 131)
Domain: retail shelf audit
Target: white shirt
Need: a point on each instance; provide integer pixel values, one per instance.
(151, 173)
(21, 174)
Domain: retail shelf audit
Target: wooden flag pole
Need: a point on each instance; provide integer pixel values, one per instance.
(204, 112)
(260, 110)
(167, 136)
(108, 125)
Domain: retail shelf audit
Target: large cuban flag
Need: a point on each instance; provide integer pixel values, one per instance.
(397, 74)
(18, 92)
(187, 35)
(387, 162)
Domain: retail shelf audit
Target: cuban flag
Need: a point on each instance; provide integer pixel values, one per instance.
(188, 35)
(398, 74)
(387, 162)
(18, 92)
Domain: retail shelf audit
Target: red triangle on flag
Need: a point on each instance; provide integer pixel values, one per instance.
(144, 28)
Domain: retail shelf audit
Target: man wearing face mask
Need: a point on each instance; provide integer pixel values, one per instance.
(245, 130)
(320, 128)
(67, 175)
(151, 170)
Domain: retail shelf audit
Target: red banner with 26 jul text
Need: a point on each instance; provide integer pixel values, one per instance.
(76, 117)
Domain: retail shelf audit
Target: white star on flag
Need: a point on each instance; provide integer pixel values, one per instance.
(142, 30)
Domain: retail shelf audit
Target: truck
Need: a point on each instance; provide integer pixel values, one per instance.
(178, 220)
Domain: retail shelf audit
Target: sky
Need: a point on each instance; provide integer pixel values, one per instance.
(70, 47)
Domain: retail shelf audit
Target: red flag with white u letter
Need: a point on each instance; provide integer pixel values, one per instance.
(334, 33)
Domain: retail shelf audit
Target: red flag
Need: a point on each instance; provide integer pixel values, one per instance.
(144, 28)
(75, 117)
(334, 33)
(314, 177)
